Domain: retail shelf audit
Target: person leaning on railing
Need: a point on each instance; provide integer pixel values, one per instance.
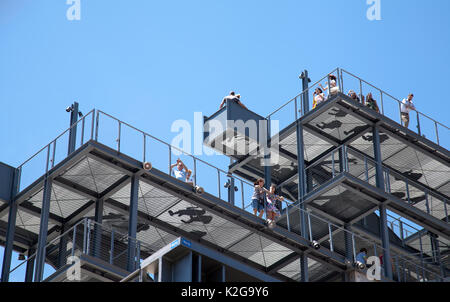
(258, 197)
(232, 97)
(319, 97)
(372, 103)
(355, 97)
(271, 206)
(181, 172)
(333, 89)
(405, 108)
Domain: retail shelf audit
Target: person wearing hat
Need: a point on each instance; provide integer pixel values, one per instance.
(405, 108)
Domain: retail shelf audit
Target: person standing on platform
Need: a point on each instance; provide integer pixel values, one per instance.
(258, 197)
(405, 108)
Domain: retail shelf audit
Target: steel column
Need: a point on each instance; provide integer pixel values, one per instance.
(97, 227)
(132, 223)
(62, 249)
(384, 230)
(301, 193)
(43, 229)
(7, 254)
(30, 265)
(305, 83)
(73, 130)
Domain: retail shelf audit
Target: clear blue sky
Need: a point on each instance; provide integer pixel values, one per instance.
(152, 62)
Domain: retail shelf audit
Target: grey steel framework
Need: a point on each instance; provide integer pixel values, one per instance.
(97, 202)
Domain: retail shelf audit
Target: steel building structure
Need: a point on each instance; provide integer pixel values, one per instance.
(353, 178)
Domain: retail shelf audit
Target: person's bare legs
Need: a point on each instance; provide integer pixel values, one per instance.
(254, 212)
(261, 214)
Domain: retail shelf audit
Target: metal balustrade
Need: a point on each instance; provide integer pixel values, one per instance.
(389, 106)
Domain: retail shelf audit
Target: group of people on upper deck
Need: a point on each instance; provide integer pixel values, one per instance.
(319, 97)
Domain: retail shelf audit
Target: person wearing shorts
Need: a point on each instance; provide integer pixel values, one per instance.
(258, 198)
(271, 205)
(406, 106)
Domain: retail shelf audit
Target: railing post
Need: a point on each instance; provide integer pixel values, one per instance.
(287, 217)
(92, 124)
(85, 235)
(195, 172)
(145, 148)
(119, 136)
(361, 95)
(437, 133)
(82, 131)
(402, 236)
(218, 183)
(88, 237)
(242, 195)
(170, 159)
(97, 120)
(381, 102)
(418, 124)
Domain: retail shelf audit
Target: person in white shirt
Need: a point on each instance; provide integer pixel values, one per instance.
(319, 97)
(333, 86)
(405, 108)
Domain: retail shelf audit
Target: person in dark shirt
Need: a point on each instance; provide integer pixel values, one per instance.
(371, 103)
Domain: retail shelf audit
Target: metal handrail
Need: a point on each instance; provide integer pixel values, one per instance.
(53, 141)
(389, 95)
(48, 244)
(303, 92)
(175, 148)
(403, 256)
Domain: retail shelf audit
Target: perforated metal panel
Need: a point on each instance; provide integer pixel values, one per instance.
(93, 174)
(338, 123)
(415, 164)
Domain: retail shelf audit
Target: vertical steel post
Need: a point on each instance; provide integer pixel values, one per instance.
(437, 133)
(384, 230)
(98, 227)
(11, 228)
(267, 156)
(301, 194)
(111, 249)
(348, 243)
(132, 223)
(418, 124)
(30, 265)
(43, 229)
(231, 195)
(305, 83)
(73, 130)
(62, 248)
